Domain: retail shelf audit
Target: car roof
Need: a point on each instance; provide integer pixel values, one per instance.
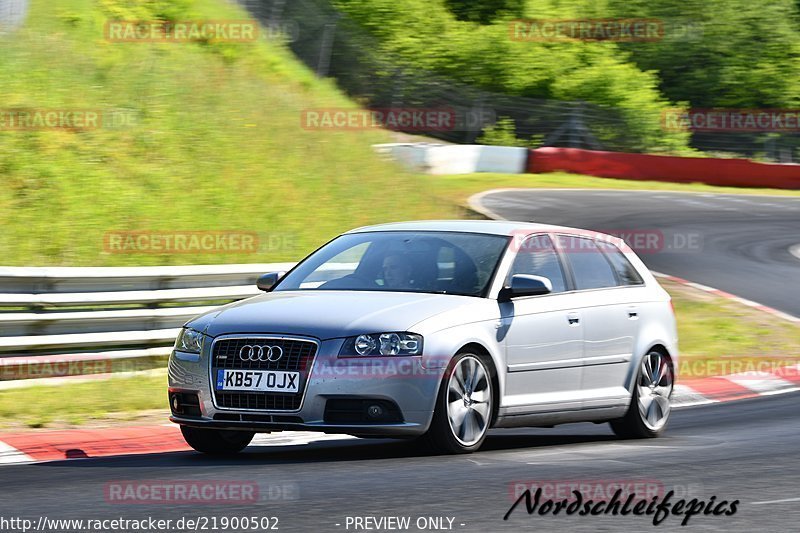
(489, 227)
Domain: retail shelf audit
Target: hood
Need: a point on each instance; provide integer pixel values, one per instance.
(326, 314)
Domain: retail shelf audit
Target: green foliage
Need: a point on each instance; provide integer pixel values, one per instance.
(715, 53)
(721, 53)
(425, 36)
(501, 133)
(504, 133)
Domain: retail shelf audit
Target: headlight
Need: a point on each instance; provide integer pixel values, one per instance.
(189, 340)
(378, 344)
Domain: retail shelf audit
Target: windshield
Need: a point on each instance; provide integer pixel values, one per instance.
(438, 262)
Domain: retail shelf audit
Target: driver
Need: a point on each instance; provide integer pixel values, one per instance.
(396, 272)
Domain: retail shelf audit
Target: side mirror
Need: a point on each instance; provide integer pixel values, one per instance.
(526, 285)
(267, 281)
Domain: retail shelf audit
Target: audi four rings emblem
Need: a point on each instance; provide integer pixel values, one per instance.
(253, 352)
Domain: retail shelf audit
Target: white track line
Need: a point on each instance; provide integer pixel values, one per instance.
(776, 501)
(294, 438)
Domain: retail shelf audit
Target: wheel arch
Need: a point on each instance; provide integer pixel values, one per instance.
(655, 346)
(480, 350)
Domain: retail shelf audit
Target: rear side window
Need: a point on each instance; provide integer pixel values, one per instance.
(537, 256)
(626, 273)
(590, 268)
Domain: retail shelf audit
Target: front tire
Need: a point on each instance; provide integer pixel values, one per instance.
(216, 441)
(650, 407)
(464, 407)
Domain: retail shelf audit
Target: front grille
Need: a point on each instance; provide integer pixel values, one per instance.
(297, 354)
(297, 357)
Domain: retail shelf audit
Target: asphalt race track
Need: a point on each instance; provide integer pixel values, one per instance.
(744, 450)
(735, 243)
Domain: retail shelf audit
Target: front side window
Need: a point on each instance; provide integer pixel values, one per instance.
(425, 261)
(537, 256)
(590, 268)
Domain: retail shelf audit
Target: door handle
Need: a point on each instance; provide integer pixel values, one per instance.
(573, 319)
(633, 315)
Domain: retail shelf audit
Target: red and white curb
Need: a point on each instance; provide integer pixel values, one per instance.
(736, 386)
(10, 455)
(739, 386)
(743, 385)
(42, 446)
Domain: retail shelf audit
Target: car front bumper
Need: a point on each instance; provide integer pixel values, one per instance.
(401, 381)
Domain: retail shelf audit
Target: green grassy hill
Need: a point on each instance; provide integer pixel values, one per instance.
(217, 144)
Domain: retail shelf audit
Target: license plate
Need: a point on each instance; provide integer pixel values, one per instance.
(258, 380)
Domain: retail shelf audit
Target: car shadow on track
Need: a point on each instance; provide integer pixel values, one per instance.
(332, 451)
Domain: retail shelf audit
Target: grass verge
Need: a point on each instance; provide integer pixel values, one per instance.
(717, 336)
(113, 400)
(720, 336)
(215, 142)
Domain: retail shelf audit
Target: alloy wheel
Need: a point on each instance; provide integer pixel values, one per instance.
(469, 400)
(656, 380)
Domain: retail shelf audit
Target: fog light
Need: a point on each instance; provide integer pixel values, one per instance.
(375, 411)
(176, 403)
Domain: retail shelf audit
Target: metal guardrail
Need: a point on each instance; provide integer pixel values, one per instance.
(62, 321)
(152, 298)
(47, 280)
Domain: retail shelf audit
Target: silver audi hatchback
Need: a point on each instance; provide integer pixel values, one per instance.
(435, 329)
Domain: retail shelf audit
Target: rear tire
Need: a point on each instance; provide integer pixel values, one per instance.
(648, 413)
(464, 406)
(216, 441)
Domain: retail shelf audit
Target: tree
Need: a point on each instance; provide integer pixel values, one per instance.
(721, 53)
